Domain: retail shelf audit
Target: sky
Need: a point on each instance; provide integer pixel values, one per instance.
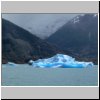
(42, 25)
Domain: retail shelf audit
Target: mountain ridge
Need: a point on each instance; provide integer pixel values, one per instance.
(19, 45)
(79, 37)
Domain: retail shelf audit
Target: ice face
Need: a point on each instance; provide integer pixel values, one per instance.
(60, 60)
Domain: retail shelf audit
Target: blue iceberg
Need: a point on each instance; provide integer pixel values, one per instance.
(60, 61)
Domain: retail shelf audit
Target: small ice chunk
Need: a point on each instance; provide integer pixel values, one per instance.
(11, 64)
(30, 62)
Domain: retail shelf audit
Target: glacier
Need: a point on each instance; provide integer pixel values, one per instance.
(60, 61)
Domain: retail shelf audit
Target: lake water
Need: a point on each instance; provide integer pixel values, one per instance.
(26, 75)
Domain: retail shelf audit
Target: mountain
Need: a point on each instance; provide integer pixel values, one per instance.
(41, 25)
(79, 37)
(19, 45)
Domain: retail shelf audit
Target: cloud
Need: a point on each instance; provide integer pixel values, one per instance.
(42, 25)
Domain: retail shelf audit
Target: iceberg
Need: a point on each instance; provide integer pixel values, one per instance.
(11, 64)
(60, 61)
(30, 62)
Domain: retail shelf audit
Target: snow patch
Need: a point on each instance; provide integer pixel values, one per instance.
(76, 20)
(95, 15)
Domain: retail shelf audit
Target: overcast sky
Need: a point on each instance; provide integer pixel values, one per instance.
(42, 25)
